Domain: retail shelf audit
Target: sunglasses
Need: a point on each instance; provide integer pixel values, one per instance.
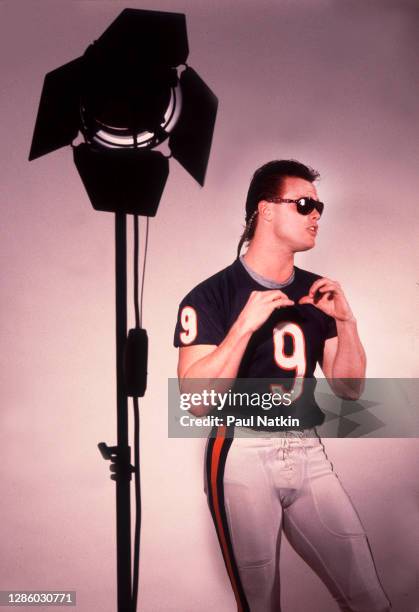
(304, 205)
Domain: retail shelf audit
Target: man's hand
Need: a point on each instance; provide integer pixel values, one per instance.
(259, 307)
(327, 295)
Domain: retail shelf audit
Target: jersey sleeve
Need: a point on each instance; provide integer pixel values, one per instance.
(199, 320)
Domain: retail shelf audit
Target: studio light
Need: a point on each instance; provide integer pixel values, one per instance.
(126, 95)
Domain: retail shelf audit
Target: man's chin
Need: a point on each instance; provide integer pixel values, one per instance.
(305, 247)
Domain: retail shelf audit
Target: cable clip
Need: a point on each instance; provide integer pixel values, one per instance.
(120, 458)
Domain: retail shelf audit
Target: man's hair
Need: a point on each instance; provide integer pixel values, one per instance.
(267, 183)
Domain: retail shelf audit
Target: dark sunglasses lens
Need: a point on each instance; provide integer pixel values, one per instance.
(306, 205)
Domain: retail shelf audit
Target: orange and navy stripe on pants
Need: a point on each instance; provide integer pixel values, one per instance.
(217, 451)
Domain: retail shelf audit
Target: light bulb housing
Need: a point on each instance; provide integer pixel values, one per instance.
(126, 95)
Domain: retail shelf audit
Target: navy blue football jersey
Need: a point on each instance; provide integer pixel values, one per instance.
(287, 346)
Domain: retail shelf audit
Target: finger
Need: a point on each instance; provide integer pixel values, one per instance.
(282, 301)
(314, 301)
(318, 283)
(274, 293)
(282, 298)
(326, 288)
(321, 295)
(306, 299)
(330, 286)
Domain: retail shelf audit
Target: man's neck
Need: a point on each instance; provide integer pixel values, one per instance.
(271, 262)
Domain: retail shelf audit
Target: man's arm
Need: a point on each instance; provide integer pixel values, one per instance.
(215, 366)
(344, 361)
(210, 362)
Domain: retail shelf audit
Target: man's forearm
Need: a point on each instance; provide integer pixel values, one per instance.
(225, 360)
(218, 369)
(350, 361)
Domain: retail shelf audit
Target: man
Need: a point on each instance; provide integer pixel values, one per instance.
(262, 317)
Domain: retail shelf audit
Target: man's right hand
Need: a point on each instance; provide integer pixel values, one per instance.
(259, 307)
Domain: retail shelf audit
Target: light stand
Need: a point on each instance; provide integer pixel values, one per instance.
(130, 91)
(120, 455)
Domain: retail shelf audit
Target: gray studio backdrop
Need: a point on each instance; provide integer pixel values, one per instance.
(331, 83)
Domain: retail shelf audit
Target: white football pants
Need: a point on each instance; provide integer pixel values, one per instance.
(259, 486)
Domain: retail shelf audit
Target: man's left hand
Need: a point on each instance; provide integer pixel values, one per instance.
(327, 295)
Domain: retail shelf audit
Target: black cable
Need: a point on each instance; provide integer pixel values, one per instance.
(144, 265)
(137, 529)
(136, 255)
(138, 308)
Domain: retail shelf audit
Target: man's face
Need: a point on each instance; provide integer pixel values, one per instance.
(294, 230)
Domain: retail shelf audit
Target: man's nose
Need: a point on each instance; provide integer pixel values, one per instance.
(314, 215)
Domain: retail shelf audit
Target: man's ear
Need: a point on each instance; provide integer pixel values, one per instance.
(265, 210)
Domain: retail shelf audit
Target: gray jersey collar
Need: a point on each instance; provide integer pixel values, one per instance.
(266, 282)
